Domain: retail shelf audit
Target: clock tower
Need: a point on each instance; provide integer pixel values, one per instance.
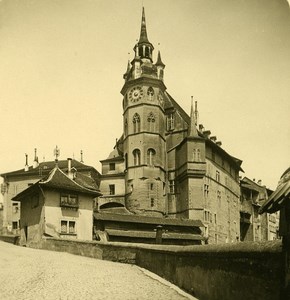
(144, 130)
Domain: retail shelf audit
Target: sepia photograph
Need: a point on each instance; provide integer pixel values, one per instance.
(145, 149)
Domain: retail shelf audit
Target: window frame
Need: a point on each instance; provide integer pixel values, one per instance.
(67, 224)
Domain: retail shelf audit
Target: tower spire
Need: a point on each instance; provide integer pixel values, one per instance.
(143, 34)
(192, 129)
(159, 60)
(143, 49)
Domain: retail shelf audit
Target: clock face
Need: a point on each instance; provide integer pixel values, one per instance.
(135, 94)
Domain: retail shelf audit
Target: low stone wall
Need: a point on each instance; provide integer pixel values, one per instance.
(118, 252)
(231, 271)
(13, 239)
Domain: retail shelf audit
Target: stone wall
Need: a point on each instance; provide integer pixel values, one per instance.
(118, 252)
(238, 271)
(229, 271)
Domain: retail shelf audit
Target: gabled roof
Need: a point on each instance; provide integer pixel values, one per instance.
(45, 167)
(57, 179)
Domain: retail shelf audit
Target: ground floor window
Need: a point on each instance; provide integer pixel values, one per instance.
(15, 225)
(68, 227)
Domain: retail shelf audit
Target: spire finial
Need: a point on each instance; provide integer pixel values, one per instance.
(192, 129)
(196, 114)
(56, 153)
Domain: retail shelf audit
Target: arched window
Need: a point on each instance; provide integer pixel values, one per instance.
(137, 157)
(151, 122)
(151, 157)
(150, 93)
(126, 127)
(136, 123)
(147, 52)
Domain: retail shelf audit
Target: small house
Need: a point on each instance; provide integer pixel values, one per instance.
(59, 205)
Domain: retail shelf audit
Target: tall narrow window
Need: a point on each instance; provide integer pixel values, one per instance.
(136, 123)
(151, 157)
(151, 122)
(137, 157)
(112, 189)
(126, 161)
(126, 127)
(171, 186)
(205, 190)
(217, 177)
(170, 122)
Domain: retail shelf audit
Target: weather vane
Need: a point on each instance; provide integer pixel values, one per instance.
(56, 152)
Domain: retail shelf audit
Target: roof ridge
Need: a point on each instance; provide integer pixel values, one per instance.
(51, 174)
(81, 186)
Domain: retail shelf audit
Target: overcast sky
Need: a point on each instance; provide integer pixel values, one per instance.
(61, 67)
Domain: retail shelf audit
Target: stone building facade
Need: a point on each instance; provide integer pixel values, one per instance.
(166, 164)
(254, 226)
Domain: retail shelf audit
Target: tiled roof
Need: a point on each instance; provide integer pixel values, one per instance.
(147, 220)
(58, 179)
(45, 167)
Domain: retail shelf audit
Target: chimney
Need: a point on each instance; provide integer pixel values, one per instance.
(26, 167)
(69, 170)
(35, 162)
(213, 138)
(219, 143)
(200, 127)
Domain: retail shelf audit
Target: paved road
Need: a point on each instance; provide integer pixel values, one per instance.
(27, 273)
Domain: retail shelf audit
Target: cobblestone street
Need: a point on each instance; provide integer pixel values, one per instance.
(28, 273)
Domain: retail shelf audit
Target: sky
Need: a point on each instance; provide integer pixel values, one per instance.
(62, 64)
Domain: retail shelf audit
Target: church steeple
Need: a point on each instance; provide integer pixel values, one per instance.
(143, 48)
